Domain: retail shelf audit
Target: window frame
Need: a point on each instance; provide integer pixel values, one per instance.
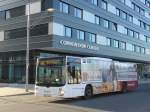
(65, 31)
(62, 9)
(79, 34)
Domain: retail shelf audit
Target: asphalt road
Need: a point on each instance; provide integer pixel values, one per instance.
(137, 101)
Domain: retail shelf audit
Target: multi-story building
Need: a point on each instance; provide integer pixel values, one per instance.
(117, 29)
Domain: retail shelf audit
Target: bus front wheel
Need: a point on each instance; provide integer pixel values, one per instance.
(88, 92)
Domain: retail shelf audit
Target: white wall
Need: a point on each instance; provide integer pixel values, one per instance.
(35, 7)
(1, 35)
(56, 29)
(111, 8)
(87, 16)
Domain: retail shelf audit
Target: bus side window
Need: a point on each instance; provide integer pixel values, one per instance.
(69, 69)
(73, 72)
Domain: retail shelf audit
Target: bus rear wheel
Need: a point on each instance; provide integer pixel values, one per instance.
(88, 92)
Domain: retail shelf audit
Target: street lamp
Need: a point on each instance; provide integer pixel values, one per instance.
(27, 47)
(50, 10)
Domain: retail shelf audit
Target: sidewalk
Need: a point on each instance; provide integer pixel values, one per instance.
(13, 91)
(31, 103)
(14, 99)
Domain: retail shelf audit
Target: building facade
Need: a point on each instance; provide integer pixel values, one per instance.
(116, 29)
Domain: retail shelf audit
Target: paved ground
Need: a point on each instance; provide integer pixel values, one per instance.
(12, 91)
(138, 101)
(30, 103)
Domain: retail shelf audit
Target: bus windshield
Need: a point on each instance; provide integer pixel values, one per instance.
(50, 72)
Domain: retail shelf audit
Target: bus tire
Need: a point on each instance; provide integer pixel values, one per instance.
(124, 87)
(88, 92)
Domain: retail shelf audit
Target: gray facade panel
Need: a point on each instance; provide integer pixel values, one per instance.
(102, 51)
(45, 42)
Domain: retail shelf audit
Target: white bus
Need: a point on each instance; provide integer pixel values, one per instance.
(70, 77)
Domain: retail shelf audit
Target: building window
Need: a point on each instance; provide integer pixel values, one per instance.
(147, 27)
(15, 33)
(104, 4)
(142, 50)
(143, 38)
(97, 20)
(2, 15)
(137, 49)
(147, 3)
(147, 39)
(144, 1)
(122, 45)
(130, 47)
(130, 18)
(45, 5)
(136, 35)
(118, 12)
(104, 23)
(68, 31)
(142, 12)
(64, 7)
(78, 12)
(15, 12)
(130, 33)
(126, 31)
(38, 30)
(138, 9)
(113, 26)
(123, 1)
(142, 24)
(95, 2)
(92, 37)
(123, 15)
(108, 41)
(80, 35)
(116, 43)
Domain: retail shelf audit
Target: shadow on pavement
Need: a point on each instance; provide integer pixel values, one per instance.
(136, 101)
(78, 99)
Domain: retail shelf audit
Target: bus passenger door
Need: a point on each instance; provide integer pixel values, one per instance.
(74, 80)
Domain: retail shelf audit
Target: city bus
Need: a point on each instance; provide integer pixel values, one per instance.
(70, 77)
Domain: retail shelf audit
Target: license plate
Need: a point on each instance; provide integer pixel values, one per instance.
(47, 93)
